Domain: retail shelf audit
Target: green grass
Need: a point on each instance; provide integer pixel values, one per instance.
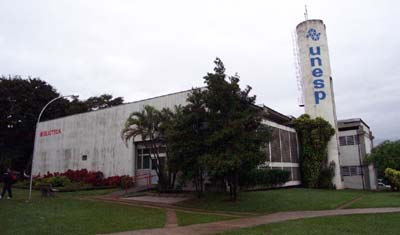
(276, 200)
(378, 199)
(370, 224)
(65, 215)
(185, 218)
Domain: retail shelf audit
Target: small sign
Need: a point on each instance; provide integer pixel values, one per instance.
(50, 132)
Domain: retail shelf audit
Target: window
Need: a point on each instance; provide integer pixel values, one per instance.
(143, 159)
(342, 140)
(351, 170)
(349, 140)
(357, 139)
(146, 162)
(84, 157)
(346, 171)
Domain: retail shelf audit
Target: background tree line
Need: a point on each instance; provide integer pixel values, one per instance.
(21, 101)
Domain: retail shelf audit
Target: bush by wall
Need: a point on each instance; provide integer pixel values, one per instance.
(266, 178)
(84, 177)
(393, 177)
(314, 135)
(386, 155)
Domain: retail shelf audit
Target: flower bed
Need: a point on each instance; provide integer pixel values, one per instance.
(73, 180)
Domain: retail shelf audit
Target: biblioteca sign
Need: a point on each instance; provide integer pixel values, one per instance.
(50, 132)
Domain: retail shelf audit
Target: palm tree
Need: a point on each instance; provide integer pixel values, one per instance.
(146, 124)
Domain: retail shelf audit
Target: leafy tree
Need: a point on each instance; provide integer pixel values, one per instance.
(386, 155)
(147, 125)
(185, 137)
(235, 135)
(314, 135)
(93, 103)
(393, 176)
(21, 101)
(102, 102)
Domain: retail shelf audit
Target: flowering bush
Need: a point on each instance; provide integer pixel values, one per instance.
(112, 181)
(94, 178)
(394, 178)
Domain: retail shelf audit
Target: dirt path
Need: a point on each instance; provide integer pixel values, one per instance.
(171, 221)
(346, 204)
(221, 226)
(168, 206)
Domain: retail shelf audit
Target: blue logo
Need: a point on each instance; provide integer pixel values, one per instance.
(312, 33)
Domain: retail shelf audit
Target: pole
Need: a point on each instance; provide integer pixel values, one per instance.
(34, 142)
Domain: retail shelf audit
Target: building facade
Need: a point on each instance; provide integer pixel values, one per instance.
(93, 141)
(356, 141)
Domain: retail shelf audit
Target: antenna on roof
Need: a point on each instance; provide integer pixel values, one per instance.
(305, 12)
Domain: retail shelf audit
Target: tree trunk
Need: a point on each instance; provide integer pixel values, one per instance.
(236, 185)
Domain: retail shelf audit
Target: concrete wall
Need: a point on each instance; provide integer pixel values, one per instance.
(349, 154)
(61, 143)
(355, 155)
(95, 134)
(316, 77)
(353, 182)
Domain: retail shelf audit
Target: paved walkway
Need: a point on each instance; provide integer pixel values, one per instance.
(132, 202)
(215, 227)
(155, 199)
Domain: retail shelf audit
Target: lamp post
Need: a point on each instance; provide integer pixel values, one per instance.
(34, 140)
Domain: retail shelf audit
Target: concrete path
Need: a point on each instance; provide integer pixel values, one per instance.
(155, 199)
(171, 221)
(132, 202)
(221, 226)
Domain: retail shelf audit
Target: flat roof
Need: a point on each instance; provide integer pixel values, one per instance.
(352, 120)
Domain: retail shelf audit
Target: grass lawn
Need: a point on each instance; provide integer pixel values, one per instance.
(65, 215)
(293, 199)
(378, 199)
(185, 218)
(370, 224)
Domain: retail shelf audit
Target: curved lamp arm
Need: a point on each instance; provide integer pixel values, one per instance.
(33, 156)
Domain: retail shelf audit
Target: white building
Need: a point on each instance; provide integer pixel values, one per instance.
(355, 139)
(93, 141)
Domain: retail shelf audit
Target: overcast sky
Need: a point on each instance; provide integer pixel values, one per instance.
(142, 49)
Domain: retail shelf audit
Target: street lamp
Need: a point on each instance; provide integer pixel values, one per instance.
(34, 140)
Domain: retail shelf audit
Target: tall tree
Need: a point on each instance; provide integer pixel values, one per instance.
(185, 137)
(236, 135)
(147, 125)
(386, 155)
(21, 101)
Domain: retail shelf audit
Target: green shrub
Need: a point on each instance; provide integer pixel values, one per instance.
(393, 177)
(59, 181)
(126, 182)
(326, 175)
(55, 181)
(266, 178)
(314, 135)
(386, 155)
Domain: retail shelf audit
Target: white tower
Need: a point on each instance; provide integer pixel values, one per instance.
(316, 78)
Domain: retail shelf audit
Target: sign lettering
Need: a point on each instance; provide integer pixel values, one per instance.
(50, 132)
(316, 67)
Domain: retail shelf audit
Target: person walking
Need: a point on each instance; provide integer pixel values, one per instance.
(7, 181)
